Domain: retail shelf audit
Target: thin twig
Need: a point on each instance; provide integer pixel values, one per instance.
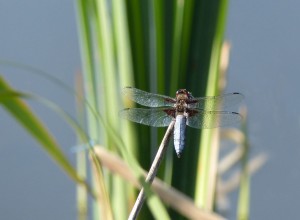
(152, 173)
(170, 196)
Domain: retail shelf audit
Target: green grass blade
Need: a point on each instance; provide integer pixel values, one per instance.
(244, 198)
(84, 8)
(86, 11)
(157, 208)
(203, 195)
(160, 48)
(125, 71)
(81, 162)
(138, 27)
(177, 76)
(23, 114)
(110, 99)
(107, 66)
(244, 194)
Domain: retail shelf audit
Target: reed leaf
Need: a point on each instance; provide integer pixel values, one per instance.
(11, 101)
(208, 153)
(244, 193)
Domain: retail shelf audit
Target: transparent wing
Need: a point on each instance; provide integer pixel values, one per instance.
(148, 99)
(211, 103)
(158, 117)
(212, 119)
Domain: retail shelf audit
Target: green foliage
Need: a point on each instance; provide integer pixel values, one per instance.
(156, 46)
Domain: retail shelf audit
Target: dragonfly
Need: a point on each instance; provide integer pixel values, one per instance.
(201, 113)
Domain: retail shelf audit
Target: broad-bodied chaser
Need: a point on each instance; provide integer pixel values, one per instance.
(202, 112)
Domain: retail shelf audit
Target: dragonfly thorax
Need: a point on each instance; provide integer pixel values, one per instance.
(181, 105)
(182, 97)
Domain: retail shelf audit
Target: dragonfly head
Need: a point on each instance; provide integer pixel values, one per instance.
(182, 93)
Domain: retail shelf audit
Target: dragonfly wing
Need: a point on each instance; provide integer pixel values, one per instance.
(158, 117)
(148, 99)
(211, 103)
(212, 119)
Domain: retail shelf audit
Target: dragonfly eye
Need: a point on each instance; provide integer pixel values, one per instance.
(178, 92)
(182, 91)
